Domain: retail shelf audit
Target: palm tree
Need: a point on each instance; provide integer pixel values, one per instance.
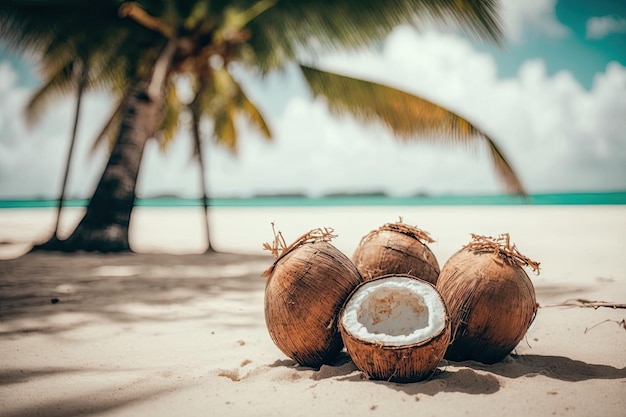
(147, 44)
(65, 69)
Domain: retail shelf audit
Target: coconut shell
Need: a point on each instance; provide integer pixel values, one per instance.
(491, 302)
(396, 248)
(305, 291)
(406, 363)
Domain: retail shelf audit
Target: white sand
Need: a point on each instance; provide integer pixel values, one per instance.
(163, 335)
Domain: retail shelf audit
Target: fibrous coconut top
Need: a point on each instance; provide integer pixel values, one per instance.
(405, 229)
(279, 247)
(502, 247)
(395, 311)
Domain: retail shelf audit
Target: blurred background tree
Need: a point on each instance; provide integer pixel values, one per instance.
(138, 51)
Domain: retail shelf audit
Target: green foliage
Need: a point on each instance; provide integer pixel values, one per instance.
(292, 26)
(407, 116)
(64, 32)
(172, 109)
(118, 42)
(223, 100)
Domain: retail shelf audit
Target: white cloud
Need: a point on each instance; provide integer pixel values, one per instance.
(600, 27)
(522, 18)
(8, 77)
(557, 135)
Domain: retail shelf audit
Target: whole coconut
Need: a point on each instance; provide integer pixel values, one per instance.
(396, 248)
(307, 286)
(490, 299)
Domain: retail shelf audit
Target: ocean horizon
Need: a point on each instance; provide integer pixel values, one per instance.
(581, 198)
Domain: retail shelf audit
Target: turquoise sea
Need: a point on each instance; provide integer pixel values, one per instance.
(610, 198)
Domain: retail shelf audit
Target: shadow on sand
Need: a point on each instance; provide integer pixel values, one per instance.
(444, 380)
(79, 404)
(555, 367)
(38, 285)
(471, 377)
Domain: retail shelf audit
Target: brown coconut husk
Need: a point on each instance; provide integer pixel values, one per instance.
(501, 247)
(490, 298)
(396, 248)
(404, 364)
(306, 288)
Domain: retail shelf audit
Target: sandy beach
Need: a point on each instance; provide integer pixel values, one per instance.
(169, 331)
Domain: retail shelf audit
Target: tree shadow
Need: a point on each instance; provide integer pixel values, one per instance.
(100, 401)
(19, 375)
(84, 403)
(555, 367)
(41, 284)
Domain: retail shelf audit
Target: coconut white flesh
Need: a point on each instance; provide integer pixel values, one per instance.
(394, 311)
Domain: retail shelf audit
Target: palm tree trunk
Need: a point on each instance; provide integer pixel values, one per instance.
(105, 226)
(53, 242)
(195, 126)
(82, 68)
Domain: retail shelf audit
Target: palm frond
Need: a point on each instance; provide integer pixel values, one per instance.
(37, 24)
(407, 116)
(134, 11)
(57, 85)
(224, 111)
(172, 110)
(254, 115)
(58, 29)
(290, 25)
(108, 133)
(197, 15)
(221, 98)
(224, 129)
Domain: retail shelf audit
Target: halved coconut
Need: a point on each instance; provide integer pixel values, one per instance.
(490, 298)
(307, 286)
(396, 248)
(395, 328)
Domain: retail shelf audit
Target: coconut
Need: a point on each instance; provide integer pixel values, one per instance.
(396, 248)
(490, 298)
(395, 328)
(306, 287)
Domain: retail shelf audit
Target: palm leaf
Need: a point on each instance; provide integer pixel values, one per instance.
(57, 30)
(58, 84)
(221, 98)
(224, 114)
(39, 25)
(409, 117)
(254, 115)
(284, 30)
(241, 105)
(108, 133)
(172, 110)
(224, 129)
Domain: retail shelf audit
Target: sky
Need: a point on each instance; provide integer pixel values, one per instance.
(554, 101)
